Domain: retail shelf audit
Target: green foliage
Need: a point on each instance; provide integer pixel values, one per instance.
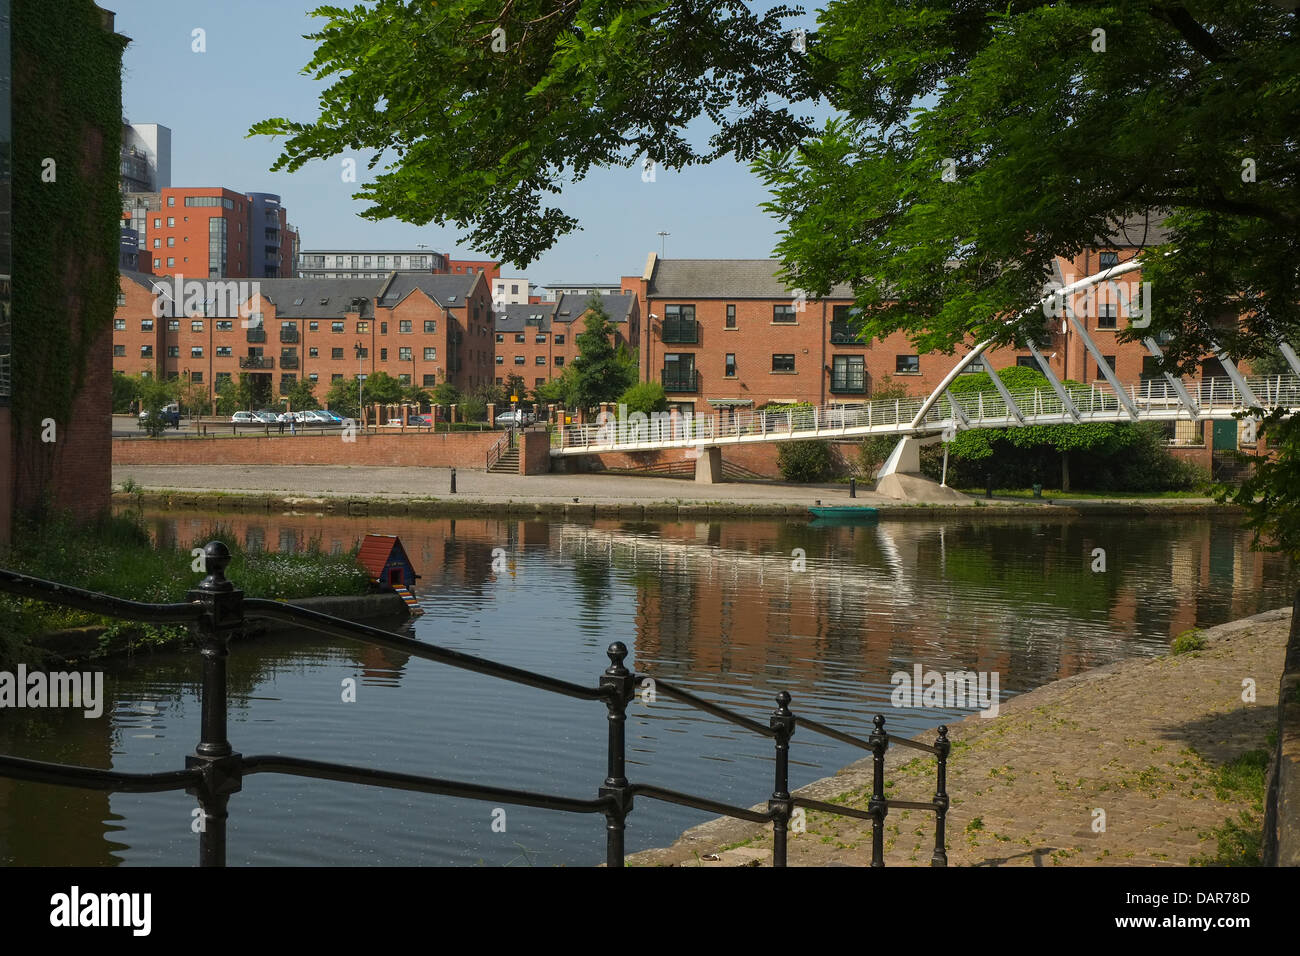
(1269, 495)
(445, 394)
(804, 461)
(302, 395)
(473, 410)
(1188, 641)
(342, 397)
(645, 397)
(560, 391)
(564, 91)
(227, 399)
(600, 372)
(126, 392)
(155, 394)
(381, 388)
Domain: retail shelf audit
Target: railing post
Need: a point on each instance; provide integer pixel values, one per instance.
(879, 741)
(781, 806)
(619, 684)
(943, 746)
(222, 618)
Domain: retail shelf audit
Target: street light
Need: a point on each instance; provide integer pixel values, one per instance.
(360, 378)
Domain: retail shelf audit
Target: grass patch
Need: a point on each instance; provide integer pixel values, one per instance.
(1240, 841)
(118, 556)
(1188, 641)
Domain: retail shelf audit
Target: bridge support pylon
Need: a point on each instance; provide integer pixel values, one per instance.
(708, 466)
(900, 476)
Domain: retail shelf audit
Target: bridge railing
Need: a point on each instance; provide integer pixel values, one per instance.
(217, 611)
(1095, 401)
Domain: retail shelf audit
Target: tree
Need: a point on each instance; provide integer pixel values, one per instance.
(155, 394)
(645, 397)
(126, 391)
(302, 395)
(342, 397)
(227, 400)
(556, 90)
(381, 388)
(600, 372)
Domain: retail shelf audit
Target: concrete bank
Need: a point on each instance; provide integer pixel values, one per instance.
(383, 491)
(79, 644)
(1140, 740)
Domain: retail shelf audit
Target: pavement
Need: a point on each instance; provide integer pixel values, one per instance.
(1117, 766)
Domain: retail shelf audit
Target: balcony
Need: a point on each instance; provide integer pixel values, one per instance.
(841, 334)
(256, 362)
(257, 335)
(288, 361)
(287, 335)
(680, 332)
(681, 379)
(851, 383)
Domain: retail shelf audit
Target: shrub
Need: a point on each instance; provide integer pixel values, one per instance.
(804, 461)
(1189, 640)
(644, 397)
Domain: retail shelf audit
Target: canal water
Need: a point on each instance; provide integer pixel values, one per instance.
(734, 610)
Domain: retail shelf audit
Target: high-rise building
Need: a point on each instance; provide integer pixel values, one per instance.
(146, 157)
(353, 263)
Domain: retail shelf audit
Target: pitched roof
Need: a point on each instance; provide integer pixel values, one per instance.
(1142, 231)
(725, 279)
(319, 298)
(450, 290)
(515, 317)
(570, 308)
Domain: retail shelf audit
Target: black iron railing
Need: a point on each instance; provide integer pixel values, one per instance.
(216, 611)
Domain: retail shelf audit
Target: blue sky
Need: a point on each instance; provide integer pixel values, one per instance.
(252, 70)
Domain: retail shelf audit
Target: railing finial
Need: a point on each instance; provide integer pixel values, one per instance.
(216, 558)
(617, 653)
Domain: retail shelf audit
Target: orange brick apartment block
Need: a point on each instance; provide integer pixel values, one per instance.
(417, 327)
(538, 341)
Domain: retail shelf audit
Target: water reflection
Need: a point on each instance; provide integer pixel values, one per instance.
(734, 610)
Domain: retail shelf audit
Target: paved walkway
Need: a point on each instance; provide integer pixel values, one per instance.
(378, 481)
(1139, 740)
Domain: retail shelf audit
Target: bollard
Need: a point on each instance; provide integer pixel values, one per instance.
(853, 487)
(1038, 490)
(988, 480)
(453, 481)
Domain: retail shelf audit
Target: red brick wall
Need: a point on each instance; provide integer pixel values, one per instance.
(462, 449)
(534, 453)
(757, 459)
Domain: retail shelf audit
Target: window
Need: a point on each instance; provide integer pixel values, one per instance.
(313, 326)
(196, 377)
(501, 360)
(363, 328)
(171, 222)
(430, 354)
(842, 323)
(365, 262)
(157, 223)
(1026, 361)
(430, 325)
(404, 354)
(519, 360)
(538, 382)
(907, 365)
(313, 377)
(379, 261)
(1107, 316)
(223, 377)
(336, 353)
(336, 326)
(679, 324)
(731, 316)
(336, 376)
(146, 325)
(209, 201)
(383, 355)
(173, 351)
(784, 314)
(848, 373)
(519, 338)
(171, 261)
(119, 325)
(730, 365)
(171, 242)
(363, 353)
(196, 351)
(383, 328)
(974, 367)
(1108, 260)
(224, 351)
(559, 361)
(196, 325)
(430, 380)
(783, 363)
(500, 338)
(404, 378)
(559, 339)
(1110, 360)
(157, 243)
(157, 263)
(404, 326)
(540, 338)
(338, 262)
(539, 360)
(119, 350)
(146, 351)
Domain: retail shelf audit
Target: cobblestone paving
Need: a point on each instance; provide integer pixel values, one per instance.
(1139, 740)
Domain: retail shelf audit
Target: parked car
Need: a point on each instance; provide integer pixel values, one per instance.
(420, 421)
(267, 417)
(244, 418)
(518, 418)
(332, 418)
(314, 416)
(170, 414)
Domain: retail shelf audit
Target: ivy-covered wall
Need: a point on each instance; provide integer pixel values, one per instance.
(67, 107)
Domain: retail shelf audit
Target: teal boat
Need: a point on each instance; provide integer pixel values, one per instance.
(844, 514)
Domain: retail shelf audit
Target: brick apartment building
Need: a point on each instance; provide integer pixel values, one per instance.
(537, 341)
(211, 232)
(420, 328)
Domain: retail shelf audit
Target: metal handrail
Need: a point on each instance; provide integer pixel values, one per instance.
(216, 610)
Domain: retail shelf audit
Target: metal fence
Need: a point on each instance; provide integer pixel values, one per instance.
(216, 611)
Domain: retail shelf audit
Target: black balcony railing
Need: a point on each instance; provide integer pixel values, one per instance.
(257, 335)
(288, 361)
(841, 334)
(256, 361)
(216, 610)
(854, 382)
(288, 335)
(681, 380)
(680, 331)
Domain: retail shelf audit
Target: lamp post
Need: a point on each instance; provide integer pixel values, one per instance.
(360, 380)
